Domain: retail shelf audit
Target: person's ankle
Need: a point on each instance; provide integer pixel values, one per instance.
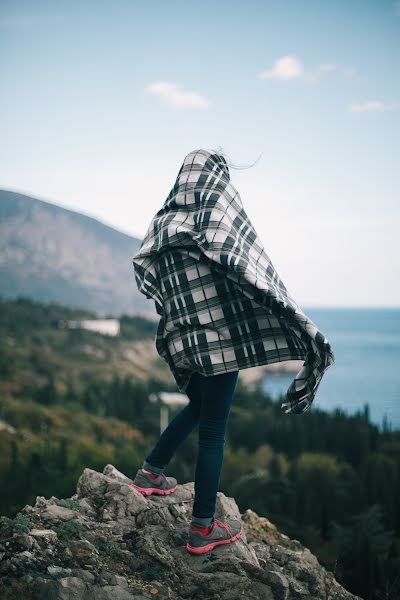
(204, 530)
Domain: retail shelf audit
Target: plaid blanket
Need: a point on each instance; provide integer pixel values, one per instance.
(222, 304)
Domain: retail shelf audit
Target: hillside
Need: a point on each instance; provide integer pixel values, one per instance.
(72, 398)
(53, 254)
(108, 542)
(36, 351)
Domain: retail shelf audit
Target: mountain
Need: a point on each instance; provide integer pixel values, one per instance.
(53, 254)
(109, 542)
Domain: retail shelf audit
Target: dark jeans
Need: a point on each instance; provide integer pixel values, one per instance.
(210, 400)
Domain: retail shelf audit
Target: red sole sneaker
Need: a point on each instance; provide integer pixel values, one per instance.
(150, 491)
(212, 545)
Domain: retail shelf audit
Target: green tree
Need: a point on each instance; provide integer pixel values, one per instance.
(363, 544)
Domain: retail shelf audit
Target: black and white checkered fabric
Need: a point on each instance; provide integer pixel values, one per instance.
(222, 304)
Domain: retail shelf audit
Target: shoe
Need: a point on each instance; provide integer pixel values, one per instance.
(150, 483)
(219, 533)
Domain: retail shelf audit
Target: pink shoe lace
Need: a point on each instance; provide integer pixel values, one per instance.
(166, 478)
(224, 525)
(163, 474)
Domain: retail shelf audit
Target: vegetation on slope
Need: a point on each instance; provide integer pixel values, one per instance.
(329, 480)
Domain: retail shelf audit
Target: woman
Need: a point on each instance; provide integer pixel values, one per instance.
(223, 308)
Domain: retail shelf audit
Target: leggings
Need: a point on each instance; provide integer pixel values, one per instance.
(210, 400)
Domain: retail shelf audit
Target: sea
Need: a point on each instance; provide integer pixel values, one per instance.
(366, 345)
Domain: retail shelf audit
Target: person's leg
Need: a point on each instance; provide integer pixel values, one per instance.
(177, 430)
(218, 393)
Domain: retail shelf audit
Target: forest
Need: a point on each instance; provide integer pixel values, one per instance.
(330, 480)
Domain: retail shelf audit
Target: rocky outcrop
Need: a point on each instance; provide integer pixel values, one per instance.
(108, 542)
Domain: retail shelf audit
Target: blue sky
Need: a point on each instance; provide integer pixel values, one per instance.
(101, 101)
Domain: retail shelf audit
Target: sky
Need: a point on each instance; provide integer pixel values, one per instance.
(101, 101)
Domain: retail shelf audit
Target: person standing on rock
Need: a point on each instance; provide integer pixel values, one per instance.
(223, 308)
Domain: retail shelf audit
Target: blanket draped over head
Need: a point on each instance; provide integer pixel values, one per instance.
(204, 212)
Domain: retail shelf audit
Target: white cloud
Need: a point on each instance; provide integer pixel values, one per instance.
(176, 96)
(348, 72)
(373, 106)
(289, 67)
(285, 68)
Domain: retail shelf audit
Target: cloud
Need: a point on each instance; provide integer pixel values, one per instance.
(289, 67)
(348, 72)
(284, 69)
(373, 106)
(176, 96)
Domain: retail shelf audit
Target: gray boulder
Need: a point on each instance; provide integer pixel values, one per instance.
(108, 542)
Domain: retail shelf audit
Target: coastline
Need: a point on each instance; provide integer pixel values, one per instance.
(253, 375)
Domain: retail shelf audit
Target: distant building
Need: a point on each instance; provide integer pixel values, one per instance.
(104, 326)
(168, 399)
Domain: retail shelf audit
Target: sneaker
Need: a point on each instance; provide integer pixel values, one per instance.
(150, 483)
(219, 532)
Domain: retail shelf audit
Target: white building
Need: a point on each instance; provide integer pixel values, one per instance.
(168, 399)
(104, 326)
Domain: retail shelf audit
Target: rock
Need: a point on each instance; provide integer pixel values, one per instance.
(86, 508)
(41, 502)
(55, 513)
(111, 592)
(48, 534)
(91, 485)
(118, 580)
(71, 588)
(55, 571)
(260, 529)
(24, 541)
(25, 556)
(83, 551)
(68, 554)
(111, 471)
(123, 546)
(115, 498)
(84, 574)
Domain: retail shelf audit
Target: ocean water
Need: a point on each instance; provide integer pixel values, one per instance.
(366, 344)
